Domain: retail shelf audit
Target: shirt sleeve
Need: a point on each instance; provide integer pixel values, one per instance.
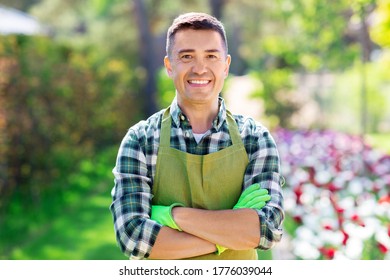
(264, 168)
(131, 206)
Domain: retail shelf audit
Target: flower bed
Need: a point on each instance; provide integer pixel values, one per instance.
(337, 195)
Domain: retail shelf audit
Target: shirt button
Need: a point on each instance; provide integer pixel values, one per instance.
(182, 117)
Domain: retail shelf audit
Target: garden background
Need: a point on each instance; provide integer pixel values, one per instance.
(316, 72)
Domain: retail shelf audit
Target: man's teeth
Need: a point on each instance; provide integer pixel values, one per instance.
(199, 82)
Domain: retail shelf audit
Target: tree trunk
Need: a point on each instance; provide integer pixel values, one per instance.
(147, 56)
(217, 7)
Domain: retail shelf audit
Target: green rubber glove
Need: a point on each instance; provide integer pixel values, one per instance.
(163, 215)
(253, 197)
(220, 249)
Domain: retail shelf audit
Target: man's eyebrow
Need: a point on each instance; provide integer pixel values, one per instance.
(186, 51)
(192, 50)
(213, 51)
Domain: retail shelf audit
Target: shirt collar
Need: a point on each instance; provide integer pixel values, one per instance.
(178, 116)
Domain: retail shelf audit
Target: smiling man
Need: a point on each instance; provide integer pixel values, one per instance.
(194, 181)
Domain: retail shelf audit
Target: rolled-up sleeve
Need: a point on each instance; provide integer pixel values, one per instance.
(131, 205)
(264, 169)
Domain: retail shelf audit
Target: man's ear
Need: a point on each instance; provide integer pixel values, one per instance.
(167, 65)
(227, 66)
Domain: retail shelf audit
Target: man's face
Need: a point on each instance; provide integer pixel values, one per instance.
(198, 66)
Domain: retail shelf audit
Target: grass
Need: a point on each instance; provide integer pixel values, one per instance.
(83, 232)
(74, 225)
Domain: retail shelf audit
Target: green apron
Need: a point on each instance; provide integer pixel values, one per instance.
(211, 181)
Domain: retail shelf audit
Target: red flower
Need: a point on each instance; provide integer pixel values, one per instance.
(328, 227)
(328, 252)
(332, 187)
(346, 237)
(355, 218)
(298, 193)
(312, 175)
(298, 219)
(339, 209)
(384, 199)
(382, 248)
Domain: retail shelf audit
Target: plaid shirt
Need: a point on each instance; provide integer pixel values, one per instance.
(135, 168)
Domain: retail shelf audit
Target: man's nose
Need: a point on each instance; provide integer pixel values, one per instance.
(199, 67)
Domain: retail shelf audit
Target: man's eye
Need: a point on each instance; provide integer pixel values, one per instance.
(212, 56)
(186, 57)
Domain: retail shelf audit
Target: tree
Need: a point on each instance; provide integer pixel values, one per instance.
(23, 5)
(148, 56)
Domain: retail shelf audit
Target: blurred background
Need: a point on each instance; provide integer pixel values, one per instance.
(75, 75)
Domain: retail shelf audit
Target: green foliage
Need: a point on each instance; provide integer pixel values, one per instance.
(165, 88)
(345, 101)
(60, 105)
(275, 91)
(380, 142)
(293, 34)
(380, 30)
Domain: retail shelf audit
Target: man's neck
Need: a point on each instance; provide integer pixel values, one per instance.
(201, 116)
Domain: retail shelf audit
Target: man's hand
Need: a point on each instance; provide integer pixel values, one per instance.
(163, 215)
(253, 197)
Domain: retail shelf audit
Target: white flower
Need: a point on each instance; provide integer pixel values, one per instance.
(331, 237)
(305, 250)
(355, 186)
(354, 248)
(367, 208)
(382, 237)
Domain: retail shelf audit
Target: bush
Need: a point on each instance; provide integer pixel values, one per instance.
(59, 105)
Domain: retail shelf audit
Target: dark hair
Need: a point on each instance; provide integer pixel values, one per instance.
(195, 21)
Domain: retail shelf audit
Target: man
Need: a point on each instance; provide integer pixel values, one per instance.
(193, 181)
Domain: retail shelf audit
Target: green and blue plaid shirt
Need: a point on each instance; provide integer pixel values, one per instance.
(136, 166)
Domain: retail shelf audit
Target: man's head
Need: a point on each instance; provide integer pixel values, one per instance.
(197, 59)
(195, 21)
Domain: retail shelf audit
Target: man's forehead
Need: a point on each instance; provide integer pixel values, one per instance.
(204, 40)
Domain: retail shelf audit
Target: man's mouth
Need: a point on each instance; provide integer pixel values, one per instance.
(198, 82)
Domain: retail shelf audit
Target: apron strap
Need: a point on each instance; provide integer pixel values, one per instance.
(165, 133)
(233, 129)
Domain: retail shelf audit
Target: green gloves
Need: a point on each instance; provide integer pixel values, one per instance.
(220, 249)
(163, 215)
(253, 197)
